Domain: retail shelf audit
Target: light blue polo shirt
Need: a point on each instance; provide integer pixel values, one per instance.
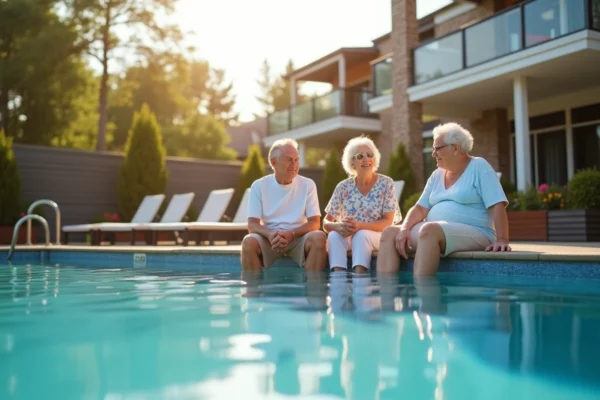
(468, 200)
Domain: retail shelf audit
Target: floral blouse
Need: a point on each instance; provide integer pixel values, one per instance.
(347, 200)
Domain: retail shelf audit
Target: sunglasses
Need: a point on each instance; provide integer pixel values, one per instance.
(438, 148)
(360, 156)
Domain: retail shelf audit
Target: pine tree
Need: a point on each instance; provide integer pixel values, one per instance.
(332, 175)
(253, 169)
(399, 169)
(143, 171)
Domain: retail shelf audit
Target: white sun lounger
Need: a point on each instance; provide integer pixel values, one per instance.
(398, 188)
(145, 214)
(175, 212)
(213, 210)
(238, 225)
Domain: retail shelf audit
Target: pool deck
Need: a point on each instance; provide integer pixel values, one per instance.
(529, 251)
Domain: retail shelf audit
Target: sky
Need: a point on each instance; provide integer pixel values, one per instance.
(238, 35)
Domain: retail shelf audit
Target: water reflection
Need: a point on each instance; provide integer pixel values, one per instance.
(162, 334)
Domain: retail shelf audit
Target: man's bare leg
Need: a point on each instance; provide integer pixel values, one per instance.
(250, 256)
(315, 249)
(432, 242)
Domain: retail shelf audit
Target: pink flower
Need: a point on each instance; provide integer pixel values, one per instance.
(22, 214)
(543, 187)
(115, 217)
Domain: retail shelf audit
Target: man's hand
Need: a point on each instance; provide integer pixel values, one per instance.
(280, 240)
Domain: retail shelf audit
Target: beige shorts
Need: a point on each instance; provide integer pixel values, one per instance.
(295, 250)
(459, 237)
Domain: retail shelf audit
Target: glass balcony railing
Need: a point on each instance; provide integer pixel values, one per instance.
(351, 102)
(382, 77)
(515, 29)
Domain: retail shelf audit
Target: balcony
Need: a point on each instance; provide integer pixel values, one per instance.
(337, 114)
(381, 71)
(555, 42)
(515, 29)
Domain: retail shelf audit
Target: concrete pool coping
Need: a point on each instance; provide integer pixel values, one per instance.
(523, 251)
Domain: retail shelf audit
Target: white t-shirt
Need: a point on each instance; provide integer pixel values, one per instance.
(283, 207)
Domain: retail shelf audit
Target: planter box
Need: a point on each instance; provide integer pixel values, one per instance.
(574, 226)
(528, 225)
(6, 233)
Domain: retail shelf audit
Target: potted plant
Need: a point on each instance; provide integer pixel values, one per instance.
(527, 218)
(578, 218)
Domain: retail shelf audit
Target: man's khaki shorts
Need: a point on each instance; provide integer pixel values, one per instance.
(295, 250)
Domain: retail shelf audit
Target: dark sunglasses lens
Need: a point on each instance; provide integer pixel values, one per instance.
(359, 156)
(370, 155)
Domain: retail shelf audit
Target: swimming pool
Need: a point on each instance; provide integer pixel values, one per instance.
(69, 332)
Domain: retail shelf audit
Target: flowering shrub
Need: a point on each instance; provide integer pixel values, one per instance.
(553, 197)
(107, 217)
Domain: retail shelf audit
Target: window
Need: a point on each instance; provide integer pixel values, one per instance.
(586, 146)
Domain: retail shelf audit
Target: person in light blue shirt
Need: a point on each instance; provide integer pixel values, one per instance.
(462, 208)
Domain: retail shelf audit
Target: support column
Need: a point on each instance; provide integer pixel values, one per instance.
(406, 120)
(293, 91)
(342, 72)
(522, 148)
(302, 154)
(570, 149)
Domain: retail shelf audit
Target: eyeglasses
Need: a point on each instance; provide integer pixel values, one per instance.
(440, 147)
(360, 156)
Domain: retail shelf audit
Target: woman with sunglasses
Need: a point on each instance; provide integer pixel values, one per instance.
(462, 208)
(360, 208)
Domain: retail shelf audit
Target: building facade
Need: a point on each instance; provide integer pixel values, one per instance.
(522, 76)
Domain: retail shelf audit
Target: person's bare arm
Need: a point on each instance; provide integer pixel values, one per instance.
(415, 215)
(379, 225)
(329, 224)
(254, 226)
(500, 219)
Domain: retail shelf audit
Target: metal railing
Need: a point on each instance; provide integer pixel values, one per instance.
(350, 102)
(56, 211)
(515, 29)
(20, 222)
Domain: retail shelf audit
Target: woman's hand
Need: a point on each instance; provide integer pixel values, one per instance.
(349, 226)
(499, 245)
(403, 240)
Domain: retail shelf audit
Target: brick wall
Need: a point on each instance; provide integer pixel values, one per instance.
(406, 123)
(484, 10)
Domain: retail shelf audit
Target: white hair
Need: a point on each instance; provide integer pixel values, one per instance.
(453, 133)
(275, 150)
(351, 149)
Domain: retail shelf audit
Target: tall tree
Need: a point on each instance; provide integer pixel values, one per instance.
(41, 72)
(173, 88)
(265, 83)
(106, 26)
(275, 94)
(219, 101)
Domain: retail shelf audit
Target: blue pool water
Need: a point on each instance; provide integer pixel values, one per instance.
(102, 333)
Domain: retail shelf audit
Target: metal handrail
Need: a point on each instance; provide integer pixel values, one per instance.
(56, 210)
(28, 218)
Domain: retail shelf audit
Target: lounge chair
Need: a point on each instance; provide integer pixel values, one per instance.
(398, 188)
(233, 230)
(175, 212)
(212, 212)
(145, 214)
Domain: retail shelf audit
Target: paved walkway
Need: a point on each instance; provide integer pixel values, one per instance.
(521, 250)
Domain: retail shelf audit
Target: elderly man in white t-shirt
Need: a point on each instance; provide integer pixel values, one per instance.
(284, 217)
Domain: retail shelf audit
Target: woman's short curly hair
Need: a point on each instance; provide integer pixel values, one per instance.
(453, 133)
(352, 148)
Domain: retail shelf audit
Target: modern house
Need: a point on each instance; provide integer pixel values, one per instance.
(522, 76)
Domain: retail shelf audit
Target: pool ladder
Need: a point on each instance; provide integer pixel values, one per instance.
(27, 218)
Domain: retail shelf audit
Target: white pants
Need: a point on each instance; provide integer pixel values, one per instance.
(362, 243)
